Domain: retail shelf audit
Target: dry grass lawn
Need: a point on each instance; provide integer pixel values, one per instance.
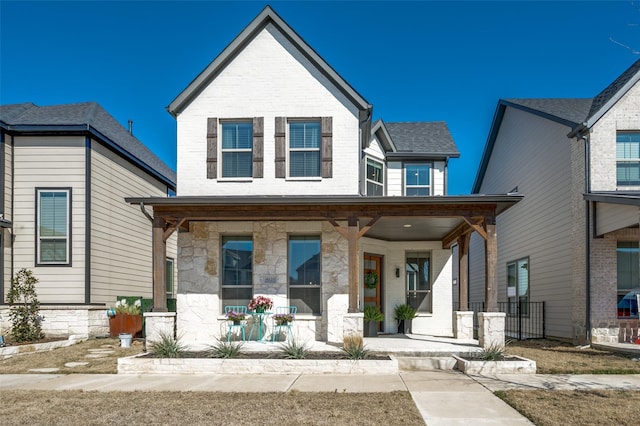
(206, 408)
(579, 408)
(57, 358)
(553, 357)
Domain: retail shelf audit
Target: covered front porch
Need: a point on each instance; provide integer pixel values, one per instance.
(348, 228)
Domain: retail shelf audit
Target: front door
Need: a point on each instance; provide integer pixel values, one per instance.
(372, 282)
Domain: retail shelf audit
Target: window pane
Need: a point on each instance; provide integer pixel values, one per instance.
(53, 214)
(304, 163)
(53, 250)
(374, 171)
(169, 277)
(237, 135)
(628, 173)
(417, 192)
(237, 164)
(628, 259)
(374, 189)
(304, 134)
(306, 299)
(523, 278)
(417, 174)
(237, 259)
(304, 261)
(417, 270)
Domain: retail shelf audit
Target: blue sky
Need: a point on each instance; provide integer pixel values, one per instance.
(414, 61)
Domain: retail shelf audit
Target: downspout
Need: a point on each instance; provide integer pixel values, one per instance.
(587, 189)
(145, 212)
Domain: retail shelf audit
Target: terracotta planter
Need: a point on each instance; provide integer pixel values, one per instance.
(124, 323)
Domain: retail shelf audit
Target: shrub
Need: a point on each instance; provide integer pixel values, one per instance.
(167, 347)
(24, 308)
(224, 349)
(353, 345)
(493, 352)
(294, 349)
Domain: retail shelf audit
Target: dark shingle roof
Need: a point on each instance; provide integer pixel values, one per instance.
(611, 90)
(27, 116)
(422, 138)
(573, 110)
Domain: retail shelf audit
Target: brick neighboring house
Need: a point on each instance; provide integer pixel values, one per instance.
(65, 172)
(279, 163)
(573, 241)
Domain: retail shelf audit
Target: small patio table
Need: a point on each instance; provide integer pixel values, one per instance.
(260, 320)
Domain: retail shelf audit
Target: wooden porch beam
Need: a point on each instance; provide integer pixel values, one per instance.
(463, 271)
(476, 224)
(173, 227)
(341, 230)
(368, 226)
(354, 264)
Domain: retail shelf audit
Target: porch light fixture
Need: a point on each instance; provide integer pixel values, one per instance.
(397, 272)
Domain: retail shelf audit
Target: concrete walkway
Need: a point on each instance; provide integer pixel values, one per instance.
(442, 397)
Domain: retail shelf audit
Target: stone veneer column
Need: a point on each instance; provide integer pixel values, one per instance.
(491, 329)
(158, 324)
(463, 325)
(353, 324)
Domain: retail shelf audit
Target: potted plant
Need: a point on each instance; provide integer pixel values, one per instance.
(372, 316)
(236, 317)
(283, 319)
(125, 318)
(404, 314)
(260, 304)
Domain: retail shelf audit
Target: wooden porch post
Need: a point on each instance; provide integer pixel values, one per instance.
(491, 262)
(159, 265)
(354, 265)
(463, 271)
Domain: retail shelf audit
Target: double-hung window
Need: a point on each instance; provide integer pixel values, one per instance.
(418, 280)
(375, 178)
(237, 149)
(628, 257)
(237, 270)
(53, 212)
(518, 287)
(417, 179)
(304, 274)
(304, 148)
(628, 159)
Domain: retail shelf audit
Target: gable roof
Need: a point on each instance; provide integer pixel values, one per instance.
(86, 118)
(421, 139)
(266, 17)
(379, 130)
(576, 113)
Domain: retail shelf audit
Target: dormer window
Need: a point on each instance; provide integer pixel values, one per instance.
(417, 179)
(628, 159)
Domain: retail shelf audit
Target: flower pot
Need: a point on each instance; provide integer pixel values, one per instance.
(236, 322)
(371, 329)
(404, 326)
(259, 310)
(125, 323)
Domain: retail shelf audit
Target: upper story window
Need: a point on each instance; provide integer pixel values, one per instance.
(53, 214)
(417, 179)
(304, 149)
(375, 178)
(237, 147)
(628, 158)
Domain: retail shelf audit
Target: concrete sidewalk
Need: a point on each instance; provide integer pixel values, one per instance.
(560, 381)
(442, 397)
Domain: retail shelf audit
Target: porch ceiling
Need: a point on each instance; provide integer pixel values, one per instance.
(412, 228)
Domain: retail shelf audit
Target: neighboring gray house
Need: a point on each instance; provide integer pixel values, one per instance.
(573, 241)
(65, 172)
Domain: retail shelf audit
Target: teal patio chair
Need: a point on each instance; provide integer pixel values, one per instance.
(278, 328)
(236, 325)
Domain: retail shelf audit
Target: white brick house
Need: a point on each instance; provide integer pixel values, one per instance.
(577, 162)
(287, 189)
(65, 171)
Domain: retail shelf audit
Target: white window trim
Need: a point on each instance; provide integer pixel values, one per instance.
(222, 151)
(67, 261)
(384, 174)
(404, 177)
(289, 150)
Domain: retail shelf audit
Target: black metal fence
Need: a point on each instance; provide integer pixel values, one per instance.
(524, 320)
